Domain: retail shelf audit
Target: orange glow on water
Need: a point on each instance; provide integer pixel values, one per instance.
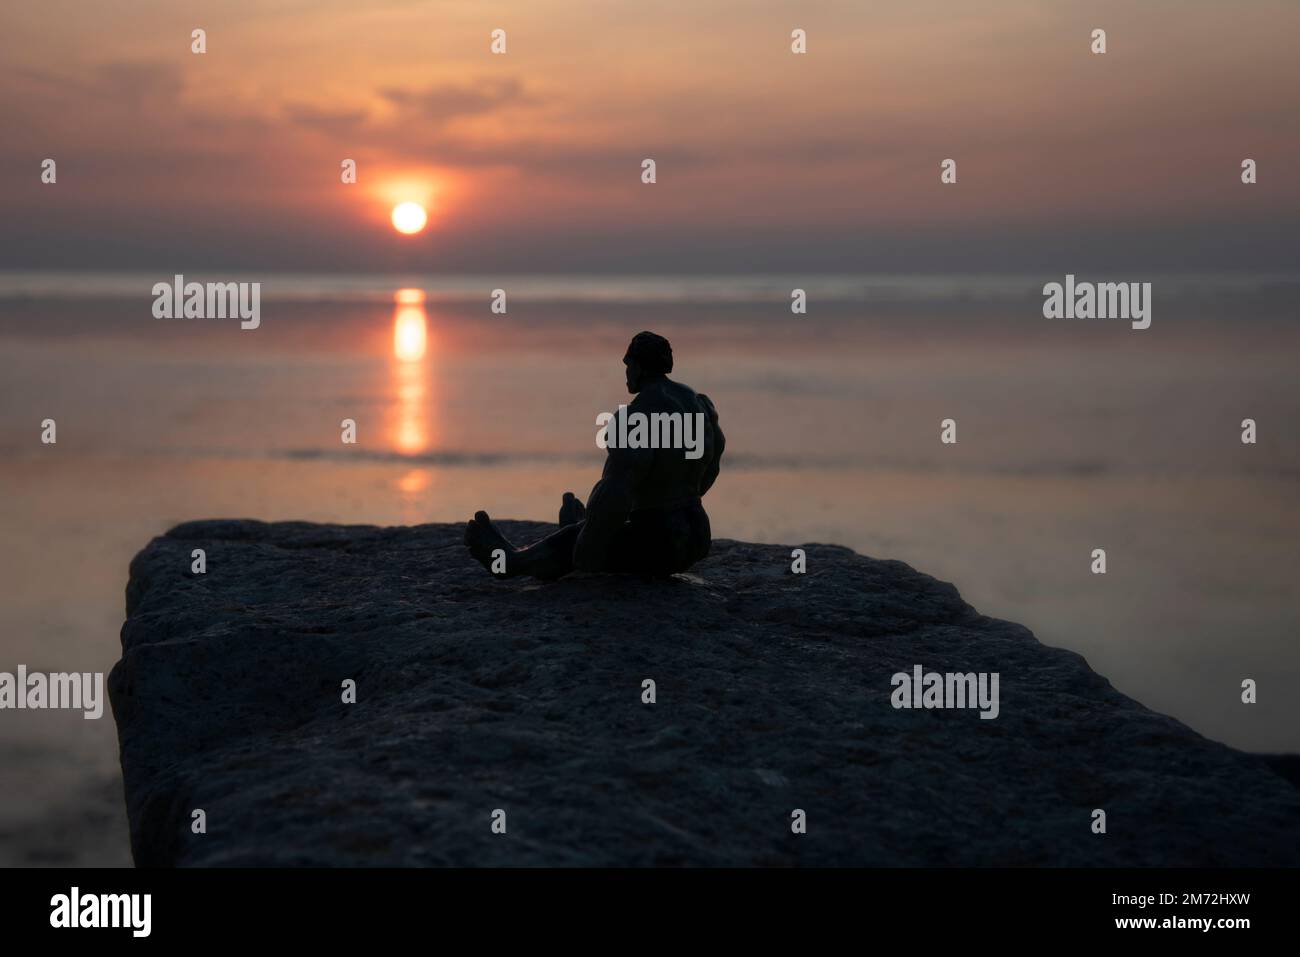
(416, 480)
(410, 376)
(410, 333)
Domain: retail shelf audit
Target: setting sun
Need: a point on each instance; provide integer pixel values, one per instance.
(409, 218)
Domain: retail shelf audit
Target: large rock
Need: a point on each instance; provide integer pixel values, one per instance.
(773, 693)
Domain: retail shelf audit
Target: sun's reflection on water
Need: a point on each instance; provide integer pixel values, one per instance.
(410, 375)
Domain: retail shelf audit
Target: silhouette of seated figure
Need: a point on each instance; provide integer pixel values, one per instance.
(644, 515)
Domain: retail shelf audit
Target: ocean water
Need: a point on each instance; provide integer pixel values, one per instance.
(1071, 435)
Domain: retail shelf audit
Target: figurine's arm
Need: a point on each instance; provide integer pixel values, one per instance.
(718, 444)
(609, 505)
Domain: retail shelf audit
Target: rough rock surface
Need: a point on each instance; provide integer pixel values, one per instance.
(773, 693)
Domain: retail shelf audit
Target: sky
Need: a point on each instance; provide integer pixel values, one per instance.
(766, 160)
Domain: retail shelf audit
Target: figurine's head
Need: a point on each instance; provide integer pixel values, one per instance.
(648, 357)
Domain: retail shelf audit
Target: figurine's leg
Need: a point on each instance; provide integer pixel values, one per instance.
(571, 509)
(661, 542)
(552, 557)
(652, 543)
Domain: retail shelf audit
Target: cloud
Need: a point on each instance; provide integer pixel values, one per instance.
(444, 102)
(338, 123)
(138, 85)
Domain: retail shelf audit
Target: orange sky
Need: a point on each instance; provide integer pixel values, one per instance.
(532, 159)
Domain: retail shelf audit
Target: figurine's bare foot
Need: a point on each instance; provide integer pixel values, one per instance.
(572, 510)
(482, 539)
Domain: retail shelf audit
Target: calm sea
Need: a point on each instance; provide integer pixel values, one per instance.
(1071, 435)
